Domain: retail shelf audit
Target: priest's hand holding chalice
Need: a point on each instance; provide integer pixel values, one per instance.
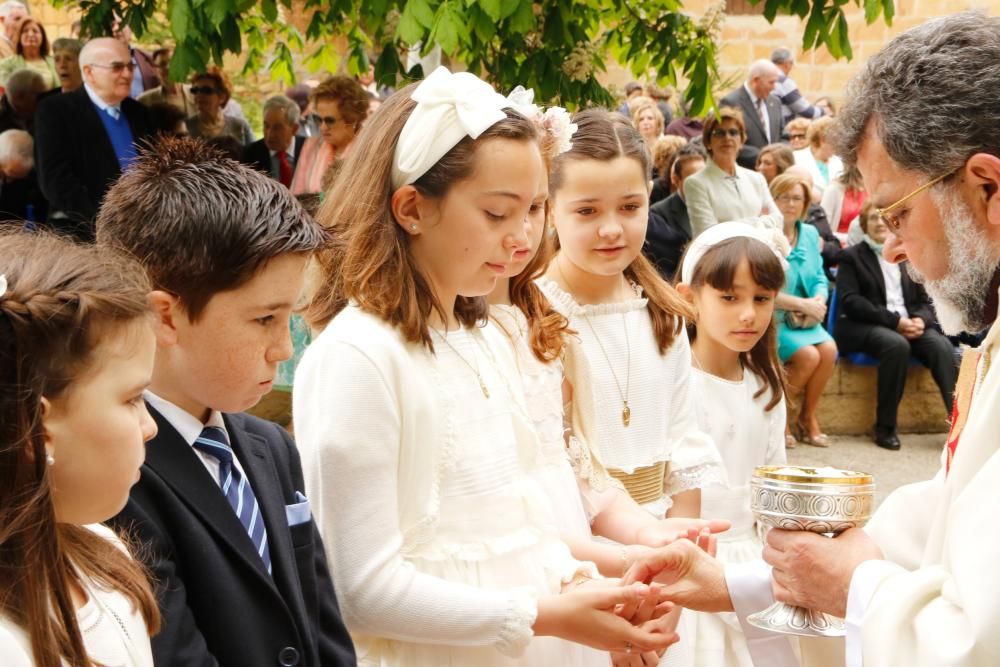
(810, 570)
(824, 501)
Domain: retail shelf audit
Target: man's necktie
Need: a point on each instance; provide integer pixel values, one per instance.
(284, 169)
(762, 113)
(213, 441)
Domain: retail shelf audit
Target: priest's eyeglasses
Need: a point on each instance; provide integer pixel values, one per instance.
(892, 220)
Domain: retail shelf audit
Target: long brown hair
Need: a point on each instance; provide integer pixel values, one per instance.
(370, 262)
(717, 268)
(547, 327)
(61, 301)
(605, 136)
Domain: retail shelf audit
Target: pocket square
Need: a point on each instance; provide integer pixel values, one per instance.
(299, 512)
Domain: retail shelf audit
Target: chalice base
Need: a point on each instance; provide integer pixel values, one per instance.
(786, 619)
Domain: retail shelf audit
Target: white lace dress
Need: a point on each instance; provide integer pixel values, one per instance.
(543, 394)
(438, 537)
(662, 426)
(746, 436)
(624, 358)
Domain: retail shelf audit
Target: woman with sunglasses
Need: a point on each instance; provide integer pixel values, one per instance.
(212, 90)
(31, 52)
(340, 106)
(724, 191)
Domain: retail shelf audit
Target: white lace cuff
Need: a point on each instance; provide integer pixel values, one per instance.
(516, 633)
(697, 477)
(582, 463)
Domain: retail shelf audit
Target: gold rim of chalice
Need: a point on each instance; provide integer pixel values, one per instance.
(812, 475)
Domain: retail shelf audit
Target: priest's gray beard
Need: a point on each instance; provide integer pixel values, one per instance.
(960, 296)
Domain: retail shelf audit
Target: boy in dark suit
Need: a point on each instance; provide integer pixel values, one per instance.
(219, 511)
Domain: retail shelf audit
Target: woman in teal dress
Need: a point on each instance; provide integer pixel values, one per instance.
(804, 346)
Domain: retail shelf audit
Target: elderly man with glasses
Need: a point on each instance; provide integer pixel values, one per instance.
(918, 584)
(86, 138)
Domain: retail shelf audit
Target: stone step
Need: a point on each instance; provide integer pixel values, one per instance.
(848, 403)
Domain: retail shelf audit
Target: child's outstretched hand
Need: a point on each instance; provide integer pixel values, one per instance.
(590, 614)
(666, 531)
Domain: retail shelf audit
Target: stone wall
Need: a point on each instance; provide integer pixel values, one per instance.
(848, 403)
(57, 22)
(746, 38)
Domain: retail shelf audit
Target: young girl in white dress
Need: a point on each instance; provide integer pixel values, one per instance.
(76, 352)
(583, 495)
(417, 447)
(731, 274)
(630, 322)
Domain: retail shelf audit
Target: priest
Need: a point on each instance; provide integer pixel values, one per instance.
(919, 585)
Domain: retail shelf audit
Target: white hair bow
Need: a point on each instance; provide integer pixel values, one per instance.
(449, 108)
(716, 234)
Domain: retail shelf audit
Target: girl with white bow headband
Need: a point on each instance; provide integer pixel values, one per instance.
(413, 432)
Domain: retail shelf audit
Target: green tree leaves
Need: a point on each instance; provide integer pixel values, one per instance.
(558, 47)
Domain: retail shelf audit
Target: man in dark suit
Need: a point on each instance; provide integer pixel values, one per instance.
(277, 153)
(669, 228)
(219, 511)
(883, 313)
(761, 109)
(86, 138)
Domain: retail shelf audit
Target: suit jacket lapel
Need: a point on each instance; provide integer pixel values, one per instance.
(88, 116)
(774, 117)
(299, 141)
(257, 460)
(750, 110)
(178, 464)
(875, 269)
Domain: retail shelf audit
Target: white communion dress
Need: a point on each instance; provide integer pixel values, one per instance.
(660, 451)
(746, 436)
(543, 395)
(438, 536)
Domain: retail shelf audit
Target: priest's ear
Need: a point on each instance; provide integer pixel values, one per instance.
(982, 189)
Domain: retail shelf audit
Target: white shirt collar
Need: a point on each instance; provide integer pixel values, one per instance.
(753, 98)
(98, 102)
(290, 151)
(189, 426)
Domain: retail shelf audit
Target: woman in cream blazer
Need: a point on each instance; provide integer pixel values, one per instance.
(723, 191)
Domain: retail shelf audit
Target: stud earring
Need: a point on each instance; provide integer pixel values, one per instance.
(413, 227)
(50, 460)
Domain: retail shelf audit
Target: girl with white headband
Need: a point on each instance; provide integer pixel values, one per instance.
(630, 322)
(731, 274)
(414, 436)
(585, 498)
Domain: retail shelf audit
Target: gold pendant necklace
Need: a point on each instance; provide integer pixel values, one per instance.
(474, 369)
(626, 410)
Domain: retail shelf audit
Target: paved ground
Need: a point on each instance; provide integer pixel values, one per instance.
(918, 459)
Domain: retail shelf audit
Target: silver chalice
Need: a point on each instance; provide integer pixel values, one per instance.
(827, 501)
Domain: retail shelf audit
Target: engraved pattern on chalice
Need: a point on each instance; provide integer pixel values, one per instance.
(827, 501)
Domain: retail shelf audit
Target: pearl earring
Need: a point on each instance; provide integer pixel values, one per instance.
(50, 460)
(413, 228)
